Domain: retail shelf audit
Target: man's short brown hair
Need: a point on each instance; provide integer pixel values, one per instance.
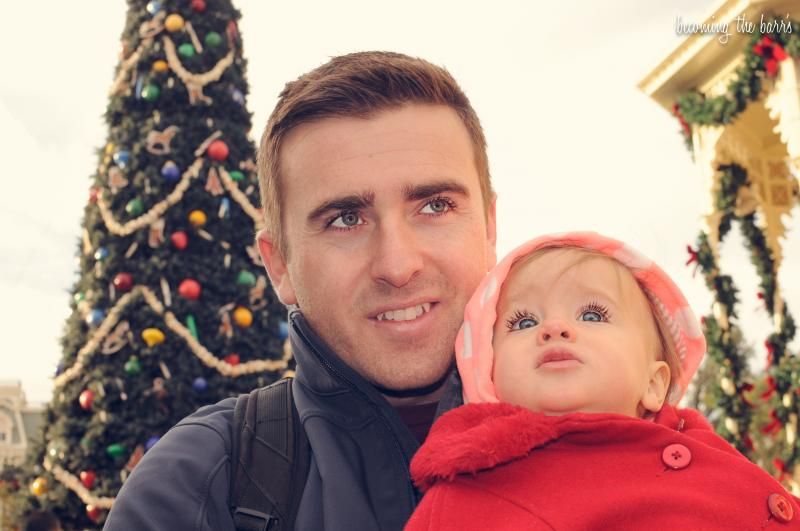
(359, 85)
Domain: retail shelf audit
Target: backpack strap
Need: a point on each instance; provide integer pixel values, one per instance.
(270, 459)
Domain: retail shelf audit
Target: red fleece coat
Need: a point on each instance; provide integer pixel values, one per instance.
(502, 467)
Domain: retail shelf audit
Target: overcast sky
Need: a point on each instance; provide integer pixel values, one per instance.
(572, 143)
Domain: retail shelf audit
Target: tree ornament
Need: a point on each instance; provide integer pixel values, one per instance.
(186, 50)
(246, 278)
(151, 442)
(158, 142)
(173, 23)
(190, 289)
(179, 239)
(94, 194)
(59, 368)
(283, 330)
(237, 95)
(153, 336)
(151, 92)
(199, 5)
(199, 384)
(87, 478)
(55, 451)
(224, 208)
(121, 158)
(78, 297)
(213, 39)
(197, 218)
(160, 66)
(218, 150)
(93, 512)
(232, 359)
(85, 399)
(242, 316)
(39, 486)
(101, 254)
(153, 7)
(236, 176)
(170, 171)
(115, 450)
(95, 317)
(192, 326)
(132, 367)
(123, 282)
(134, 207)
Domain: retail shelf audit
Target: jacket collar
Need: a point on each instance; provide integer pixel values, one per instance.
(481, 436)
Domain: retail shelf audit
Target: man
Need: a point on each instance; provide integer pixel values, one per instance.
(41, 521)
(380, 223)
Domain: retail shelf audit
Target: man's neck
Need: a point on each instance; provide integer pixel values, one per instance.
(434, 396)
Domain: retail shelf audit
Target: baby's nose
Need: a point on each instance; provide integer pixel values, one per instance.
(555, 330)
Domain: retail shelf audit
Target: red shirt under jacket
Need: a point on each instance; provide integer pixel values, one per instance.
(502, 467)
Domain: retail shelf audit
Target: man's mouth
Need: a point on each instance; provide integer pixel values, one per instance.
(404, 314)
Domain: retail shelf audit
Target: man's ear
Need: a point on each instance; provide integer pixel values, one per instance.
(275, 265)
(491, 232)
(657, 387)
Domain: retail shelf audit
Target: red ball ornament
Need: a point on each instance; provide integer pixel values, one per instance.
(123, 282)
(218, 150)
(93, 512)
(190, 289)
(87, 478)
(94, 194)
(199, 5)
(86, 399)
(180, 240)
(232, 359)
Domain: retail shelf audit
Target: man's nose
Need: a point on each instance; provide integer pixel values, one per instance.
(554, 330)
(398, 254)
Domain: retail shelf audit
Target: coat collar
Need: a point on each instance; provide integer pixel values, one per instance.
(481, 436)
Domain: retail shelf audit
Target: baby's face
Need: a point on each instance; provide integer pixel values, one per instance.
(574, 332)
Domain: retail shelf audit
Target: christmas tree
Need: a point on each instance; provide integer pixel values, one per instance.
(172, 309)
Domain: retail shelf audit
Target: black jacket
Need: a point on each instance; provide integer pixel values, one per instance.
(358, 477)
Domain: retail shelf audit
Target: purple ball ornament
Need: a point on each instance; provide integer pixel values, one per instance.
(170, 172)
(200, 384)
(151, 442)
(237, 95)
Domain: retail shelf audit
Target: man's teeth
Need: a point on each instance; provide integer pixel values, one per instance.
(406, 314)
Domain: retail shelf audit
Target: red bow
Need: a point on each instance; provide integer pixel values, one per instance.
(772, 52)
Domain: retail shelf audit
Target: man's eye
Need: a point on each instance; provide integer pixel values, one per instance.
(440, 205)
(346, 220)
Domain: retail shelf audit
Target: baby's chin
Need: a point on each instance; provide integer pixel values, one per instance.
(556, 410)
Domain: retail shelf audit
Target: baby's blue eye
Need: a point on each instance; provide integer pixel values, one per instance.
(591, 315)
(527, 322)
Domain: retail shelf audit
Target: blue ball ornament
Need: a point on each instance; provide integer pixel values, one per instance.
(60, 368)
(170, 171)
(101, 254)
(151, 442)
(153, 7)
(283, 330)
(200, 384)
(95, 317)
(121, 158)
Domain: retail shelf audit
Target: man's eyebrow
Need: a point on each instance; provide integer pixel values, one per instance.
(348, 202)
(423, 191)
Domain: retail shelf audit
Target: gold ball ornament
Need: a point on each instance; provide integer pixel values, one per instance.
(197, 218)
(173, 23)
(160, 66)
(242, 316)
(153, 336)
(39, 486)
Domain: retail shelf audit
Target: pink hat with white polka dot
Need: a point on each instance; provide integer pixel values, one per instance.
(474, 353)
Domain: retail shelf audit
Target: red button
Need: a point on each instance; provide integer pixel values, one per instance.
(676, 456)
(780, 508)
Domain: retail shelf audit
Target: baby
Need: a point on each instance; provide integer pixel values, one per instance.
(573, 352)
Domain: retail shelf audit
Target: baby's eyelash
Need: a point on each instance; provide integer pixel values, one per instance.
(518, 316)
(596, 307)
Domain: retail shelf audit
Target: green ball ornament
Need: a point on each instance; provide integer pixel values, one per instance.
(213, 39)
(132, 367)
(134, 207)
(186, 50)
(78, 297)
(236, 176)
(246, 278)
(115, 450)
(151, 91)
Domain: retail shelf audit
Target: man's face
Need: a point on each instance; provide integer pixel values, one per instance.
(386, 236)
(575, 333)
